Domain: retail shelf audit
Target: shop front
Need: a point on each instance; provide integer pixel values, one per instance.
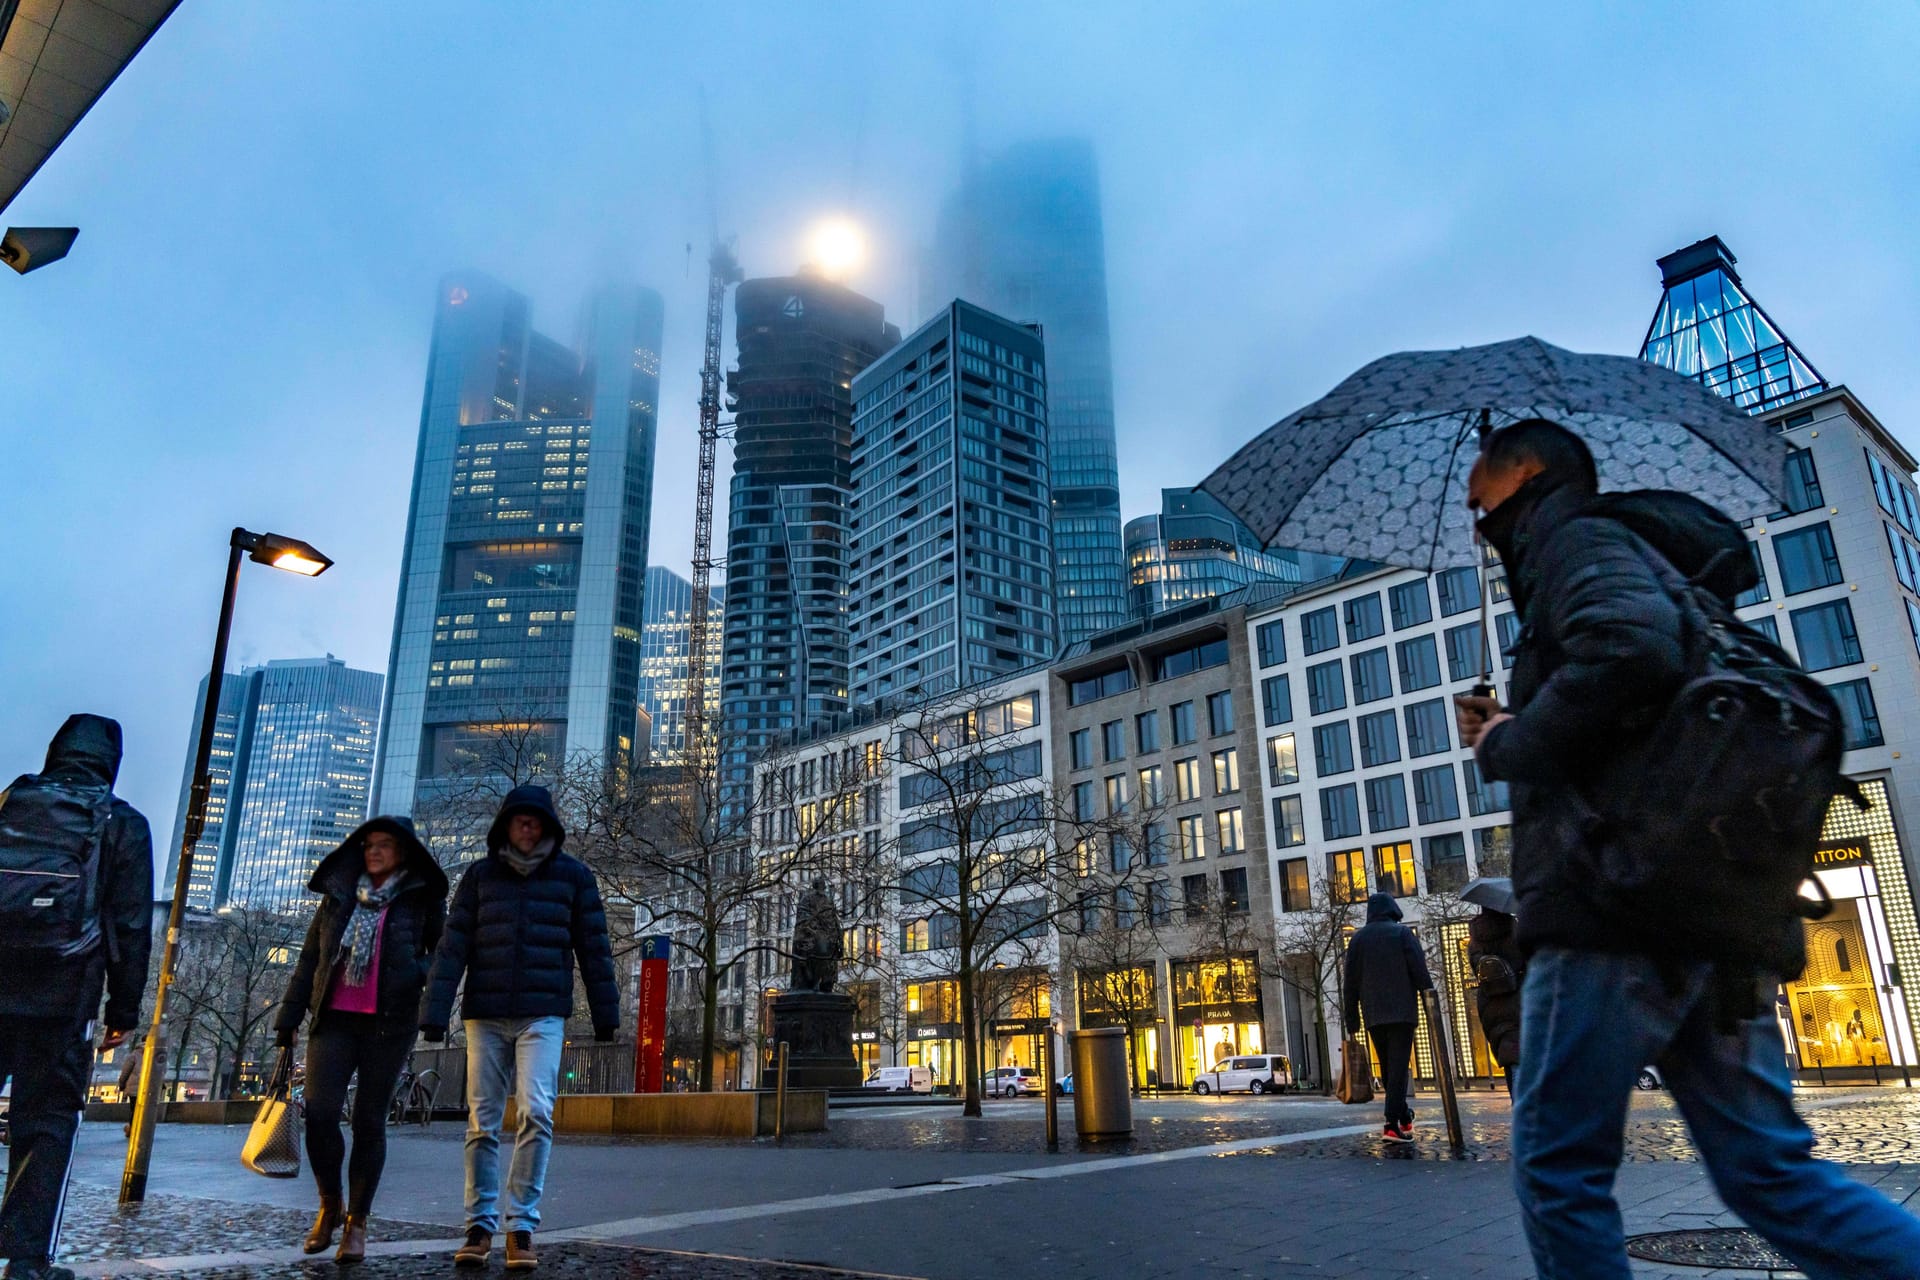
(1216, 1011)
(933, 1030)
(1019, 1006)
(866, 1051)
(1127, 998)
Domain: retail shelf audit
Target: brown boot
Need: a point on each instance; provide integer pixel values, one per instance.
(474, 1252)
(324, 1225)
(353, 1241)
(520, 1255)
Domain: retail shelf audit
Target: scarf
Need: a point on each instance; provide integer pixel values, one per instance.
(526, 863)
(369, 901)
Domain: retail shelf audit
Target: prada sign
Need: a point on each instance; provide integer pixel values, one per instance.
(1842, 853)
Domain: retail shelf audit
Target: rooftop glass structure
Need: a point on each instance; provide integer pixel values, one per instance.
(1709, 329)
(1195, 549)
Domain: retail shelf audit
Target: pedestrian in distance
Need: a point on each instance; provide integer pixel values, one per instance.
(520, 920)
(76, 901)
(1644, 945)
(1385, 974)
(357, 985)
(1494, 955)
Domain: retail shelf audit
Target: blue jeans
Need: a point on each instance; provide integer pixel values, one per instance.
(1589, 1023)
(522, 1055)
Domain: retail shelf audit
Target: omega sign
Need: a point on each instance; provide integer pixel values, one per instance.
(1841, 853)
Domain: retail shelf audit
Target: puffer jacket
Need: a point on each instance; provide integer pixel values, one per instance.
(516, 938)
(1600, 654)
(408, 937)
(1385, 969)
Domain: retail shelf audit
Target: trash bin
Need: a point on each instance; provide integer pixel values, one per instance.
(1102, 1100)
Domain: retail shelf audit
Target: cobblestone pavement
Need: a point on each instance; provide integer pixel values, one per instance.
(97, 1227)
(582, 1261)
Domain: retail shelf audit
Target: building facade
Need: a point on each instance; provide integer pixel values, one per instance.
(203, 877)
(520, 603)
(1195, 549)
(1023, 237)
(665, 638)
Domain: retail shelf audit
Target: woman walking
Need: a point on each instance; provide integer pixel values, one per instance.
(363, 965)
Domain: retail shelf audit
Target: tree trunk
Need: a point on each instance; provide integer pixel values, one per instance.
(969, 1041)
(709, 1013)
(1326, 1050)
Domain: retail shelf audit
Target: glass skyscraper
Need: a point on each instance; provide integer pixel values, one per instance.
(1023, 237)
(292, 768)
(664, 639)
(521, 587)
(952, 569)
(1196, 549)
(1707, 328)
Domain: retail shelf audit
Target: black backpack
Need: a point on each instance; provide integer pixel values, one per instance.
(1708, 835)
(51, 837)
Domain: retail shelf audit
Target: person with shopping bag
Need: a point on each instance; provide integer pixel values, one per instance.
(383, 904)
(1385, 973)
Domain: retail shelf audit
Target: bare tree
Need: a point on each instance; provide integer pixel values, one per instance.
(1311, 946)
(878, 983)
(230, 977)
(1113, 954)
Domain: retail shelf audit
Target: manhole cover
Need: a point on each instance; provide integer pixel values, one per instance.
(1711, 1247)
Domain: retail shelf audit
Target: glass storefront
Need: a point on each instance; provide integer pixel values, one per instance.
(933, 1029)
(1217, 1010)
(1126, 997)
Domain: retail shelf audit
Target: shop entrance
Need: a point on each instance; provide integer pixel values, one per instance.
(1216, 1006)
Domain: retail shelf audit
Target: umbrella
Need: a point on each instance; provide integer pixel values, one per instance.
(1377, 469)
(1495, 893)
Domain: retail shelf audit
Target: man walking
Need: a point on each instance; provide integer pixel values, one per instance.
(76, 889)
(1385, 974)
(1601, 656)
(518, 922)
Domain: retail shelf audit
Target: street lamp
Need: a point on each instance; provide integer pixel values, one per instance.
(294, 556)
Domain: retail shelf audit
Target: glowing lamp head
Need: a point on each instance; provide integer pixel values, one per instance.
(837, 247)
(281, 552)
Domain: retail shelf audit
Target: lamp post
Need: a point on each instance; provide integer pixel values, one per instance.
(282, 553)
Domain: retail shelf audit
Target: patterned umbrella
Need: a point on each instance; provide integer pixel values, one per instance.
(1377, 469)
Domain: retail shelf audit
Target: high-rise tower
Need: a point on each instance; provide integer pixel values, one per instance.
(664, 649)
(1023, 237)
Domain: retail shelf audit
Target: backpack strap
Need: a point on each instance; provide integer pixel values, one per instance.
(101, 889)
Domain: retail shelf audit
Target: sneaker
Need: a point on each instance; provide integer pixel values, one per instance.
(520, 1255)
(1391, 1133)
(474, 1252)
(22, 1269)
(1406, 1130)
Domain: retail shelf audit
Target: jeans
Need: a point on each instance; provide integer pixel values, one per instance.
(48, 1060)
(521, 1054)
(1393, 1045)
(1589, 1023)
(341, 1045)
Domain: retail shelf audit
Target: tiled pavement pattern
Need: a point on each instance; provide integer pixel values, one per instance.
(98, 1228)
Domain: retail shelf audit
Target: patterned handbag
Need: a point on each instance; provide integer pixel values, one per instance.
(273, 1142)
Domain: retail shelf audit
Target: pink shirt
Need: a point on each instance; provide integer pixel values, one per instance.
(364, 997)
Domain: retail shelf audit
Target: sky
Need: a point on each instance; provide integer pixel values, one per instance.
(269, 192)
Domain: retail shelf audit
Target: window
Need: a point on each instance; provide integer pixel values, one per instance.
(1233, 891)
(1446, 862)
(1226, 825)
(913, 936)
(1120, 853)
(1506, 628)
(1427, 728)
(1493, 847)
(1220, 713)
(1803, 482)
(1332, 749)
(1372, 680)
(1419, 660)
(1116, 794)
(1113, 740)
(1155, 841)
(1080, 748)
(1146, 731)
(1347, 875)
(1483, 796)
(1283, 765)
(1435, 798)
(1826, 636)
(1270, 640)
(1858, 714)
(1757, 593)
(1226, 771)
(1296, 890)
(1193, 894)
(1193, 838)
(1393, 869)
(1459, 591)
(1769, 628)
(1379, 738)
(1153, 785)
(1326, 688)
(1186, 779)
(1159, 902)
(1363, 619)
(1183, 727)
(1186, 661)
(1410, 605)
(1319, 631)
(1903, 559)
(1386, 803)
(1466, 654)
(1289, 824)
(1276, 701)
(1807, 559)
(1083, 802)
(1339, 811)
(1105, 685)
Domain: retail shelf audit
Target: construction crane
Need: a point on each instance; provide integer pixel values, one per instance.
(722, 270)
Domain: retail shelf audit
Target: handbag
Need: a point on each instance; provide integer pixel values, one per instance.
(272, 1149)
(1356, 1072)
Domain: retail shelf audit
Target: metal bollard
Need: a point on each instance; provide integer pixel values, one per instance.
(1443, 1068)
(1102, 1098)
(780, 1097)
(1049, 1068)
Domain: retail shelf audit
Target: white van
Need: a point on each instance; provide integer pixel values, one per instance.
(901, 1080)
(1255, 1073)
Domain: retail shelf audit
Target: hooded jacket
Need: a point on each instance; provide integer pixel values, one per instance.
(1385, 969)
(415, 920)
(86, 750)
(1600, 654)
(516, 937)
(1498, 968)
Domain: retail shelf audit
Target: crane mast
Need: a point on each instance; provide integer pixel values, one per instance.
(722, 271)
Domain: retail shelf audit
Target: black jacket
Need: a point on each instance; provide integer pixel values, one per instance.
(1601, 652)
(1385, 969)
(87, 751)
(516, 937)
(415, 920)
(1497, 969)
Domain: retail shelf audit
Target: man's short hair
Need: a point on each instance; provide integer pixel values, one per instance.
(1560, 452)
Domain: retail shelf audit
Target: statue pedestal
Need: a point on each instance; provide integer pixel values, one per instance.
(818, 1029)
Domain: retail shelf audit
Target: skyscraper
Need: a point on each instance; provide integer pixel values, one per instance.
(520, 591)
(293, 763)
(952, 572)
(664, 639)
(1196, 549)
(802, 339)
(1023, 237)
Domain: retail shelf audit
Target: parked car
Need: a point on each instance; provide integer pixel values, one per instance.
(1649, 1079)
(1255, 1073)
(1011, 1082)
(1064, 1085)
(900, 1080)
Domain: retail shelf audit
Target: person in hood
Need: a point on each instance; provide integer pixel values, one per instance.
(1497, 965)
(64, 824)
(1385, 974)
(1600, 655)
(520, 920)
(357, 985)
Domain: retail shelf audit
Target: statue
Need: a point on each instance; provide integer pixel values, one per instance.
(817, 945)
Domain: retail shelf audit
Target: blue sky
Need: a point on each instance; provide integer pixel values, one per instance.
(268, 194)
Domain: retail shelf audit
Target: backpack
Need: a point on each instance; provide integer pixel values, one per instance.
(1706, 843)
(51, 836)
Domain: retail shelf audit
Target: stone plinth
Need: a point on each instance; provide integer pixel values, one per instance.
(818, 1029)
